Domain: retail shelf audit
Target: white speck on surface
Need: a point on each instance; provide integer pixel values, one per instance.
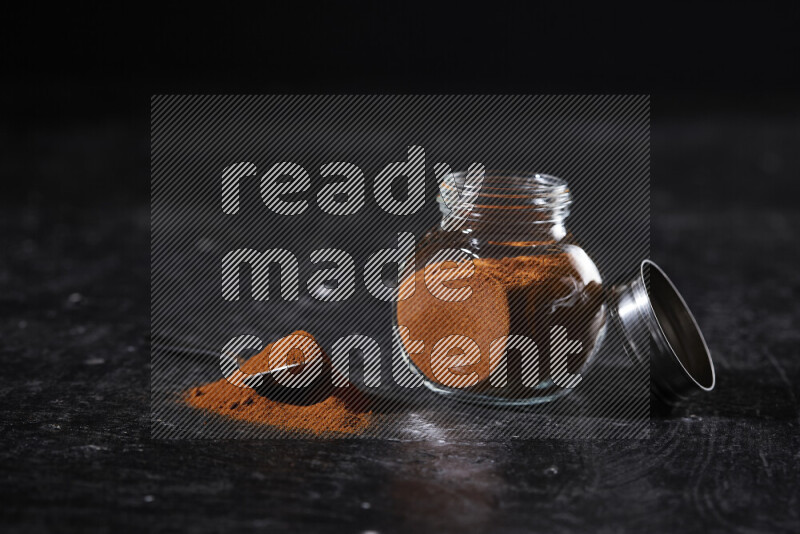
(75, 298)
(94, 361)
(366, 505)
(551, 471)
(92, 448)
(149, 498)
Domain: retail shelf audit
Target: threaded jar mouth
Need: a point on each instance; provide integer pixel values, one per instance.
(516, 197)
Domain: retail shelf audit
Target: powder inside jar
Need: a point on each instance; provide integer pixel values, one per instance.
(519, 295)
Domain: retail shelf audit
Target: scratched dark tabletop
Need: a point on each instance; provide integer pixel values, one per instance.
(75, 447)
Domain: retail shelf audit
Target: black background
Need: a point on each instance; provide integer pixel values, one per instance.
(74, 156)
(68, 67)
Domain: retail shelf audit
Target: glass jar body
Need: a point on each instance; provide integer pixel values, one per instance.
(530, 325)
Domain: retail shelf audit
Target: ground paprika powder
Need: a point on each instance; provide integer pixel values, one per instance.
(343, 411)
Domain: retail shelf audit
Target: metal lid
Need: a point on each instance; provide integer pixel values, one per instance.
(656, 321)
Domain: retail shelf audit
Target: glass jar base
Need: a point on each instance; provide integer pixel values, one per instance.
(492, 400)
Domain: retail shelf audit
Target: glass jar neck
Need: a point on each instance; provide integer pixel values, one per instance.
(514, 207)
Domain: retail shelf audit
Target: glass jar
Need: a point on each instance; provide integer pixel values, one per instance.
(504, 306)
(530, 281)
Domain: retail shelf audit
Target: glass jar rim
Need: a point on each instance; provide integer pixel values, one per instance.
(531, 196)
(511, 181)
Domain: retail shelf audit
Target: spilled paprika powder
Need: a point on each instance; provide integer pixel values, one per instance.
(343, 411)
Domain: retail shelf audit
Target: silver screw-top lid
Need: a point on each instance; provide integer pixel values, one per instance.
(655, 320)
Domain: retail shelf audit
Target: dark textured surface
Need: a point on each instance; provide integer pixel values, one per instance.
(75, 453)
